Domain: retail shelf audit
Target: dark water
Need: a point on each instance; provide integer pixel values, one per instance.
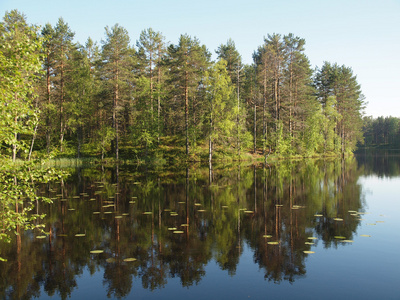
(240, 234)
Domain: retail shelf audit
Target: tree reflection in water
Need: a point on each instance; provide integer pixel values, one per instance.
(175, 223)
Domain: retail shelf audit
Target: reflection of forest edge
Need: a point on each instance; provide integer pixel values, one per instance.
(174, 224)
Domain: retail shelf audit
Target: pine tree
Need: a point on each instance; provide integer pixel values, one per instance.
(116, 66)
(187, 62)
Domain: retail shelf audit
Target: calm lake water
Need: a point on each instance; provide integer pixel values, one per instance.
(299, 230)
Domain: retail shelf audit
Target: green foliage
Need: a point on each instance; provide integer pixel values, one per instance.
(19, 65)
(158, 93)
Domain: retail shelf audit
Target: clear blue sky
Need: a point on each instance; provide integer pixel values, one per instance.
(362, 34)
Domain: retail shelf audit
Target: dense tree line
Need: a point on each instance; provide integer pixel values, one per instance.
(145, 100)
(381, 131)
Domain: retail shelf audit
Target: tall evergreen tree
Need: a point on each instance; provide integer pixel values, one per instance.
(116, 66)
(187, 63)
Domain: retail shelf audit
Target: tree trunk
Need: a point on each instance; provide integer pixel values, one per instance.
(187, 112)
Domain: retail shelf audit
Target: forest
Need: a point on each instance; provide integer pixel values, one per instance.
(150, 100)
(381, 132)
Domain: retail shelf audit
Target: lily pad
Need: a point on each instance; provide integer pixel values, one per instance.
(273, 243)
(338, 219)
(41, 236)
(178, 231)
(267, 236)
(318, 215)
(129, 259)
(197, 204)
(309, 243)
(365, 235)
(347, 241)
(147, 213)
(80, 234)
(118, 217)
(96, 212)
(339, 237)
(312, 238)
(185, 225)
(172, 228)
(308, 252)
(96, 251)
(249, 212)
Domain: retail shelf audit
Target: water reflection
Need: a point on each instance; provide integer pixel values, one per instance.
(175, 223)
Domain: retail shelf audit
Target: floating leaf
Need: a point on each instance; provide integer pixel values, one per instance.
(80, 234)
(267, 236)
(278, 205)
(96, 251)
(185, 225)
(118, 217)
(224, 206)
(172, 228)
(92, 199)
(201, 210)
(76, 197)
(352, 211)
(71, 209)
(107, 212)
(340, 237)
(309, 243)
(181, 202)
(249, 212)
(347, 241)
(365, 235)
(41, 236)
(197, 204)
(130, 259)
(178, 231)
(338, 219)
(379, 221)
(125, 214)
(147, 213)
(273, 243)
(96, 212)
(317, 215)
(131, 202)
(371, 224)
(309, 252)
(312, 238)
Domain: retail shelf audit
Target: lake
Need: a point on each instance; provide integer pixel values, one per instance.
(315, 229)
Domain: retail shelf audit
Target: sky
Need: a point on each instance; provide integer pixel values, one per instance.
(361, 34)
